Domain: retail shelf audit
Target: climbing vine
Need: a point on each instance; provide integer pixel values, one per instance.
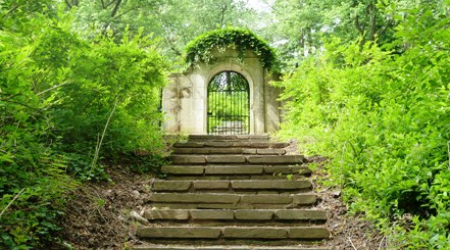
(200, 49)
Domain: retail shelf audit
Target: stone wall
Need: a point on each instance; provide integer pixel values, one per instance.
(185, 97)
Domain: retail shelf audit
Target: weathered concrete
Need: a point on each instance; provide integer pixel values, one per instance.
(224, 159)
(286, 169)
(194, 198)
(167, 214)
(233, 170)
(220, 247)
(184, 159)
(209, 214)
(304, 199)
(255, 233)
(253, 214)
(282, 159)
(171, 185)
(267, 199)
(211, 184)
(183, 170)
(189, 145)
(292, 214)
(223, 197)
(209, 151)
(179, 232)
(271, 151)
(308, 233)
(271, 185)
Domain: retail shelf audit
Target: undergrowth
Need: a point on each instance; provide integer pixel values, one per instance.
(68, 105)
(383, 116)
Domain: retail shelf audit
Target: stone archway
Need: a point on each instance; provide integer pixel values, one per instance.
(228, 104)
(185, 98)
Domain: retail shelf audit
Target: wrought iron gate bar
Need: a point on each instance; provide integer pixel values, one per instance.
(228, 104)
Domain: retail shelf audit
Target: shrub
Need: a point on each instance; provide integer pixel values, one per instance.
(384, 119)
(67, 104)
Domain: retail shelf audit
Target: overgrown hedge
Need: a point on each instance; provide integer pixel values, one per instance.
(384, 121)
(66, 105)
(200, 49)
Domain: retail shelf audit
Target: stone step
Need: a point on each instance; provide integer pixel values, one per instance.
(295, 177)
(231, 144)
(234, 170)
(219, 247)
(237, 159)
(228, 137)
(231, 185)
(231, 201)
(231, 233)
(243, 215)
(249, 151)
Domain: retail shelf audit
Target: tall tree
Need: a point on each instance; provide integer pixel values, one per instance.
(304, 23)
(175, 22)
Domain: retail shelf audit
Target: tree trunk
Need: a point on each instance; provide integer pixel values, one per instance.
(373, 21)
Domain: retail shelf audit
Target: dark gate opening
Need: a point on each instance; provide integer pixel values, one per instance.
(228, 104)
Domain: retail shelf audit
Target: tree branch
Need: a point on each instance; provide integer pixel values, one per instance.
(11, 10)
(126, 12)
(11, 202)
(222, 15)
(373, 21)
(52, 88)
(116, 8)
(110, 3)
(271, 6)
(68, 4)
(358, 25)
(23, 104)
(99, 143)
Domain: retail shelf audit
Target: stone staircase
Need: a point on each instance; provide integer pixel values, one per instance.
(233, 192)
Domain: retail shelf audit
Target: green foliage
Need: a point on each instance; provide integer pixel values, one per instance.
(68, 105)
(176, 23)
(384, 119)
(114, 87)
(303, 24)
(243, 40)
(32, 174)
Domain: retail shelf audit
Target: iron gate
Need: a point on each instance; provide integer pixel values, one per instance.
(228, 104)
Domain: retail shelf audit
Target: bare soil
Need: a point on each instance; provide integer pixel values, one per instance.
(98, 214)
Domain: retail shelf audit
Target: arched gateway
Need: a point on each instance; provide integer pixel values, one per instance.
(228, 104)
(226, 90)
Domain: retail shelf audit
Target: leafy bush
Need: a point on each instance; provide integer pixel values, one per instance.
(67, 104)
(384, 119)
(111, 100)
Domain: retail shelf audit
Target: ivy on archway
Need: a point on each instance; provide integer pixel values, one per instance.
(200, 49)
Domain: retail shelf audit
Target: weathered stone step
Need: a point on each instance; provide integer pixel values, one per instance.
(228, 137)
(232, 144)
(230, 233)
(208, 170)
(237, 159)
(249, 151)
(245, 215)
(219, 247)
(295, 177)
(231, 201)
(232, 185)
